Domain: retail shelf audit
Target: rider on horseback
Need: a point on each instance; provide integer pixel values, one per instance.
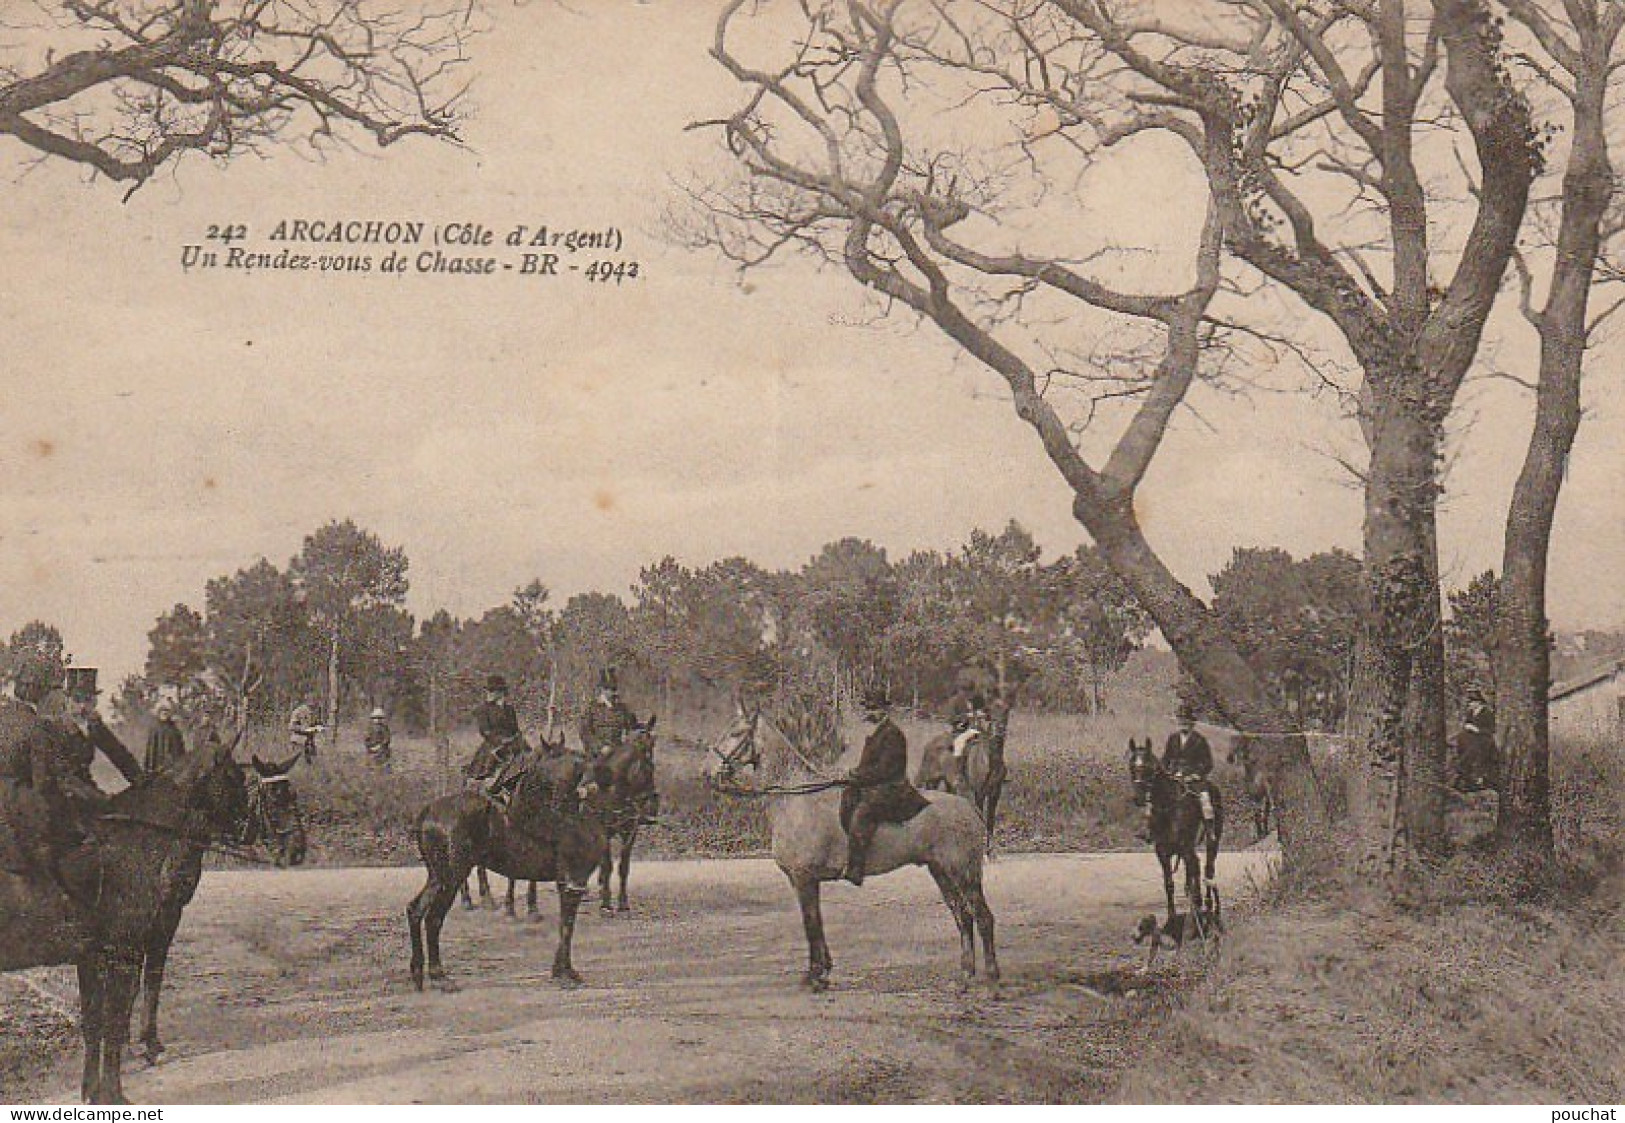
(497, 761)
(877, 791)
(604, 726)
(1189, 758)
(49, 799)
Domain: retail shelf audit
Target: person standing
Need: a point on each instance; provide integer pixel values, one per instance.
(165, 744)
(303, 726)
(377, 739)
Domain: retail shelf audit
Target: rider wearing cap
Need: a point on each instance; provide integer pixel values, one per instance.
(604, 726)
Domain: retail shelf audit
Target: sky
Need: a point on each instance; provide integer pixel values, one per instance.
(161, 427)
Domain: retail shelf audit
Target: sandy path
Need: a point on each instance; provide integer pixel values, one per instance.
(292, 987)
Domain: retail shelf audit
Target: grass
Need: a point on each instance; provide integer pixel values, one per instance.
(1497, 982)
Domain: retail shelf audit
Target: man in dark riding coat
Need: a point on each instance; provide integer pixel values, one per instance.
(1188, 756)
(607, 720)
(49, 797)
(877, 790)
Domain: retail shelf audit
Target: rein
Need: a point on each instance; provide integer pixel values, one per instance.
(231, 850)
(822, 783)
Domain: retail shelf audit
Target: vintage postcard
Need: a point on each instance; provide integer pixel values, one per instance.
(811, 551)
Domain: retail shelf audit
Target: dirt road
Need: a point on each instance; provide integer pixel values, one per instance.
(291, 987)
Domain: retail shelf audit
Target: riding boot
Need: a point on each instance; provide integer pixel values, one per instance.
(1207, 806)
(650, 812)
(857, 850)
(854, 869)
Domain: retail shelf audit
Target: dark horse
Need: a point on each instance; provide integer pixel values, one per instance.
(1177, 827)
(541, 837)
(148, 838)
(1255, 782)
(624, 778)
(274, 821)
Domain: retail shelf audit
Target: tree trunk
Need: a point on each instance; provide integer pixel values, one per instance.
(1428, 748)
(1522, 652)
(1198, 639)
(333, 688)
(1404, 621)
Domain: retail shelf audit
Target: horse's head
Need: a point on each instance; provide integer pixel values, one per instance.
(1142, 769)
(214, 790)
(734, 751)
(276, 819)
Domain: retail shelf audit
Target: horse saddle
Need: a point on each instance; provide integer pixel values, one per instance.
(896, 802)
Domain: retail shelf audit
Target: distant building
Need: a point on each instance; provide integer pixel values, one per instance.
(1592, 703)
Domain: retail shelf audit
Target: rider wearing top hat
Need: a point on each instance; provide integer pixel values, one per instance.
(877, 791)
(1188, 756)
(607, 720)
(45, 767)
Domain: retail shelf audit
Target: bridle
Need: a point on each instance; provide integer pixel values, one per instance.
(745, 753)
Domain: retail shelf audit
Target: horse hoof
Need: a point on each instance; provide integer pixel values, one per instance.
(818, 984)
(606, 910)
(623, 907)
(152, 1052)
(569, 978)
(469, 906)
(417, 983)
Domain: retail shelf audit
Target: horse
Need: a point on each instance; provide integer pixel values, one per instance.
(276, 819)
(1177, 826)
(1255, 782)
(540, 837)
(978, 775)
(274, 822)
(150, 837)
(625, 778)
(809, 846)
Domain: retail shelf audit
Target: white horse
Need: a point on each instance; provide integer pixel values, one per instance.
(803, 809)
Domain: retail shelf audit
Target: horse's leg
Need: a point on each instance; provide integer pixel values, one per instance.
(118, 996)
(415, 913)
(1166, 858)
(468, 900)
(508, 902)
(606, 870)
(953, 895)
(439, 904)
(152, 981)
(995, 788)
(819, 962)
(984, 924)
(1215, 831)
(92, 1007)
(569, 903)
(485, 889)
(531, 909)
(627, 840)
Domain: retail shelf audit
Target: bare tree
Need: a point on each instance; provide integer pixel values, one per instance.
(840, 165)
(1311, 123)
(124, 87)
(1575, 52)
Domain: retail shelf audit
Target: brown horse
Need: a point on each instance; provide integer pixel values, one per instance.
(1255, 782)
(148, 838)
(1177, 826)
(809, 845)
(542, 837)
(624, 778)
(978, 775)
(275, 822)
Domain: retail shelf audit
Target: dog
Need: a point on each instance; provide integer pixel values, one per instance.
(1207, 923)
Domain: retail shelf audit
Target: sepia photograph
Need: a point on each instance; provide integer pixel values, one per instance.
(813, 552)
